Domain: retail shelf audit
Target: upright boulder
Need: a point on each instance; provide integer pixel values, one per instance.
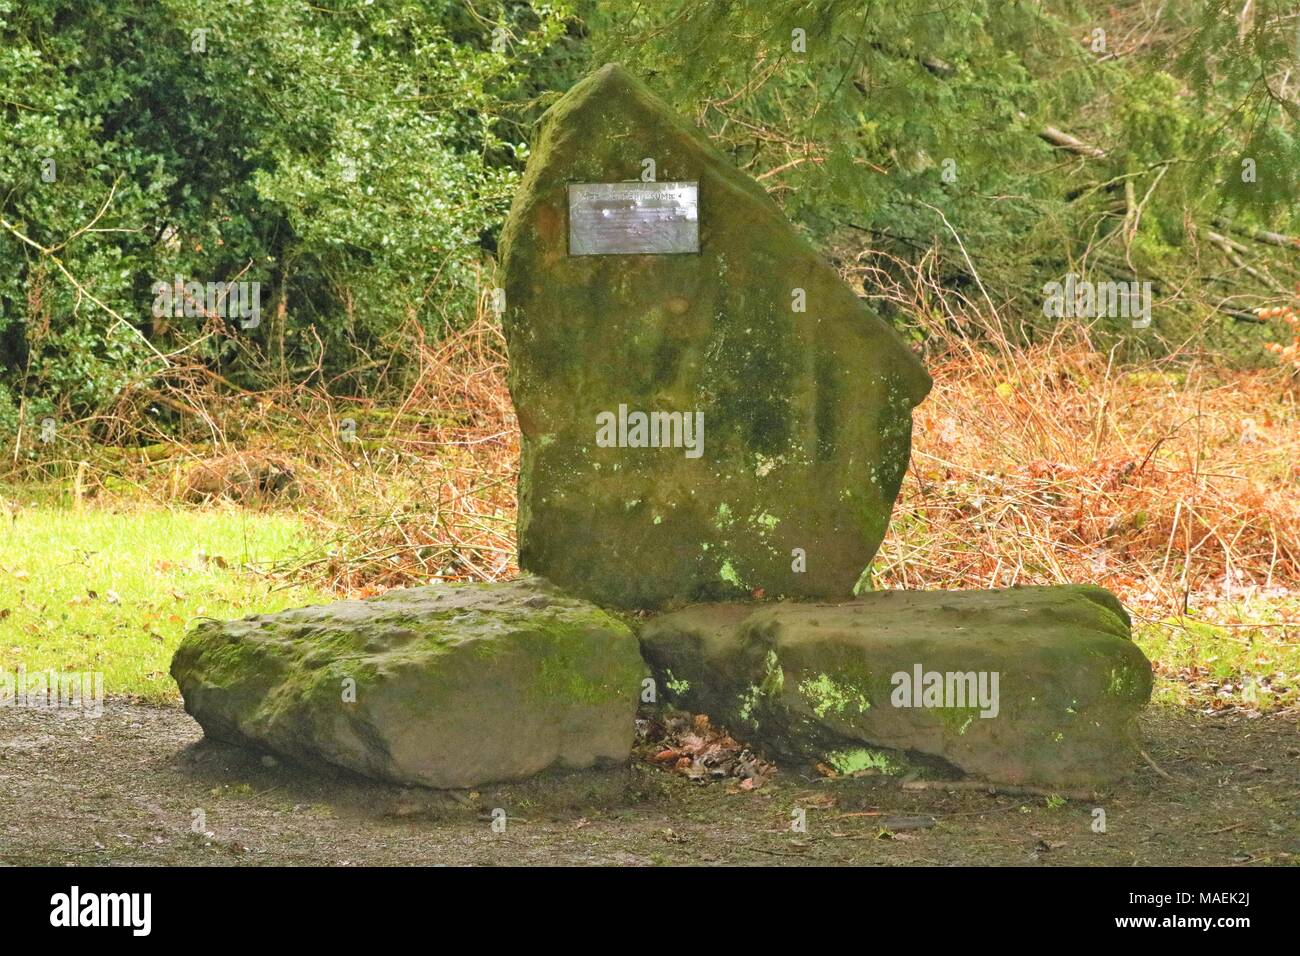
(444, 686)
(803, 393)
(1033, 685)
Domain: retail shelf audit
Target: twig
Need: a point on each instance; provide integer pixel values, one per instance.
(1153, 765)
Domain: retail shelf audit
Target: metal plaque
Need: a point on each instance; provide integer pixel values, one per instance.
(628, 218)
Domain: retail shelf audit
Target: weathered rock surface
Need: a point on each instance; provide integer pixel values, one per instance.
(455, 686)
(817, 681)
(807, 414)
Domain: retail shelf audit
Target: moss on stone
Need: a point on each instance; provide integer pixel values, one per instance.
(795, 405)
(1071, 682)
(454, 685)
(827, 695)
(858, 759)
(677, 686)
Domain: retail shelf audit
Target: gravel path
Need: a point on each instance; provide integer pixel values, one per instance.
(133, 787)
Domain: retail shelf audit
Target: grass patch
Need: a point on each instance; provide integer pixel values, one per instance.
(114, 591)
(1213, 667)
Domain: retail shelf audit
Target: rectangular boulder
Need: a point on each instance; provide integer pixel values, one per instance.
(1033, 685)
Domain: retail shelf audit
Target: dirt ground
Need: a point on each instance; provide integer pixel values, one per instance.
(128, 788)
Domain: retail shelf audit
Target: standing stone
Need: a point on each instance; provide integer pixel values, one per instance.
(806, 395)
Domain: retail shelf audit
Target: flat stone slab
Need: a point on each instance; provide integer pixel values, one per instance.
(442, 686)
(1035, 685)
(695, 425)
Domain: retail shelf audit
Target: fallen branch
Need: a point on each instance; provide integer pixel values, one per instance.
(1063, 140)
(1275, 238)
(1237, 315)
(1224, 242)
(1232, 249)
(1261, 235)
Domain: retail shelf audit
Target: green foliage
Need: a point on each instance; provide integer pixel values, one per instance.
(859, 126)
(883, 94)
(1236, 76)
(352, 158)
(357, 159)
